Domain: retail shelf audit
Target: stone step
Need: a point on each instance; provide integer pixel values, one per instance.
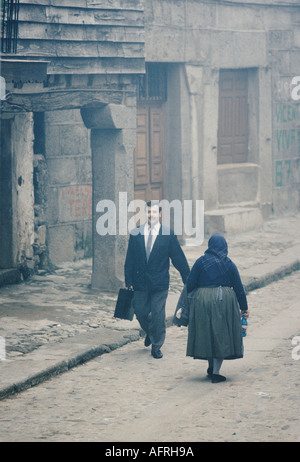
(232, 220)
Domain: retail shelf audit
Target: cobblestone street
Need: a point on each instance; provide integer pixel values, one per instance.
(127, 395)
(53, 307)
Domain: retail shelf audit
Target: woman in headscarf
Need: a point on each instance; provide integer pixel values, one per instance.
(214, 329)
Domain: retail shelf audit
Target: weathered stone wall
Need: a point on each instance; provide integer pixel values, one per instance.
(208, 33)
(285, 56)
(195, 39)
(22, 182)
(69, 191)
(199, 39)
(17, 217)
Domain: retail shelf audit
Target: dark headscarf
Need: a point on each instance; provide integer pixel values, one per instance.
(217, 245)
(216, 254)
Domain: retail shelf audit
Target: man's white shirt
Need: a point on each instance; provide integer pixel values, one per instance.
(154, 231)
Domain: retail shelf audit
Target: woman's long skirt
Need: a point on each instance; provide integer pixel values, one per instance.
(214, 329)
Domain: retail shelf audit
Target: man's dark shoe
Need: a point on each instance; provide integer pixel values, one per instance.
(157, 354)
(147, 341)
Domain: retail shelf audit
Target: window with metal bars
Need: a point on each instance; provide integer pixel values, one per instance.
(9, 19)
(152, 85)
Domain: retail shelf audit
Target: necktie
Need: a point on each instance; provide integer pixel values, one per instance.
(149, 242)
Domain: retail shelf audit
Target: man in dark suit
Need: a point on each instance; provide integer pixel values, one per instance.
(150, 248)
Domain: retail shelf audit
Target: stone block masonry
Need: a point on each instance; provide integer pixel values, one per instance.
(69, 196)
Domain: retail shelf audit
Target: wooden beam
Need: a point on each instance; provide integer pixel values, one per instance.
(97, 66)
(36, 31)
(70, 49)
(52, 100)
(62, 3)
(95, 4)
(116, 4)
(50, 14)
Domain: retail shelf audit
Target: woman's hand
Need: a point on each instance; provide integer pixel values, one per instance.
(245, 314)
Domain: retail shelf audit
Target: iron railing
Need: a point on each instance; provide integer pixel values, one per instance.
(10, 19)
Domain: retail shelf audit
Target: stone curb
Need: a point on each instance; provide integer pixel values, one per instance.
(81, 356)
(257, 283)
(53, 371)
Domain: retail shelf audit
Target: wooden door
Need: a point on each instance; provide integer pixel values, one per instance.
(149, 153)
(233, 117)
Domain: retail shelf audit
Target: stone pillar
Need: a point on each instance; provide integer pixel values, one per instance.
(113, 138)
(210, 138)
(6, 197)
(16, 187)
(265, 141)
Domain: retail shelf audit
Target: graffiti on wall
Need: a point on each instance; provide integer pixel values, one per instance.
(286, 142)
(75, 203)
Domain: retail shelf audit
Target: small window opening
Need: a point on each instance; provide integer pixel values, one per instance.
(152, 86)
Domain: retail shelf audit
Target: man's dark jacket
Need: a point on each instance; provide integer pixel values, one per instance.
(154, 274)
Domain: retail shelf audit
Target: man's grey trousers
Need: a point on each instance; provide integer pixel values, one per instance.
(150, 310)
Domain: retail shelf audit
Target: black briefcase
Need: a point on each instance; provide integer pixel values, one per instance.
(124, 308)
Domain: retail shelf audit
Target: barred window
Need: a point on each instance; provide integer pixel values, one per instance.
(9, 19)
(152, 85)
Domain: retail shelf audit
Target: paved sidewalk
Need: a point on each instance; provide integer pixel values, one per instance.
(56, 321)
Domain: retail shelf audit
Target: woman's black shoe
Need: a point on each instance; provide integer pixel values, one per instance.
(216, 378)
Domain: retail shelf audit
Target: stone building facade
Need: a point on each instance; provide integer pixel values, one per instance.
(69, 70)
(165, 99)
(229, 68)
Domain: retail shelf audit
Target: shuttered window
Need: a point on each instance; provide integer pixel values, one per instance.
(233, 117)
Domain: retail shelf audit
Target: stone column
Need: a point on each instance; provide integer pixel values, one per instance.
(265, 141)
(113, 138)
(16, 188)
(6, 197)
